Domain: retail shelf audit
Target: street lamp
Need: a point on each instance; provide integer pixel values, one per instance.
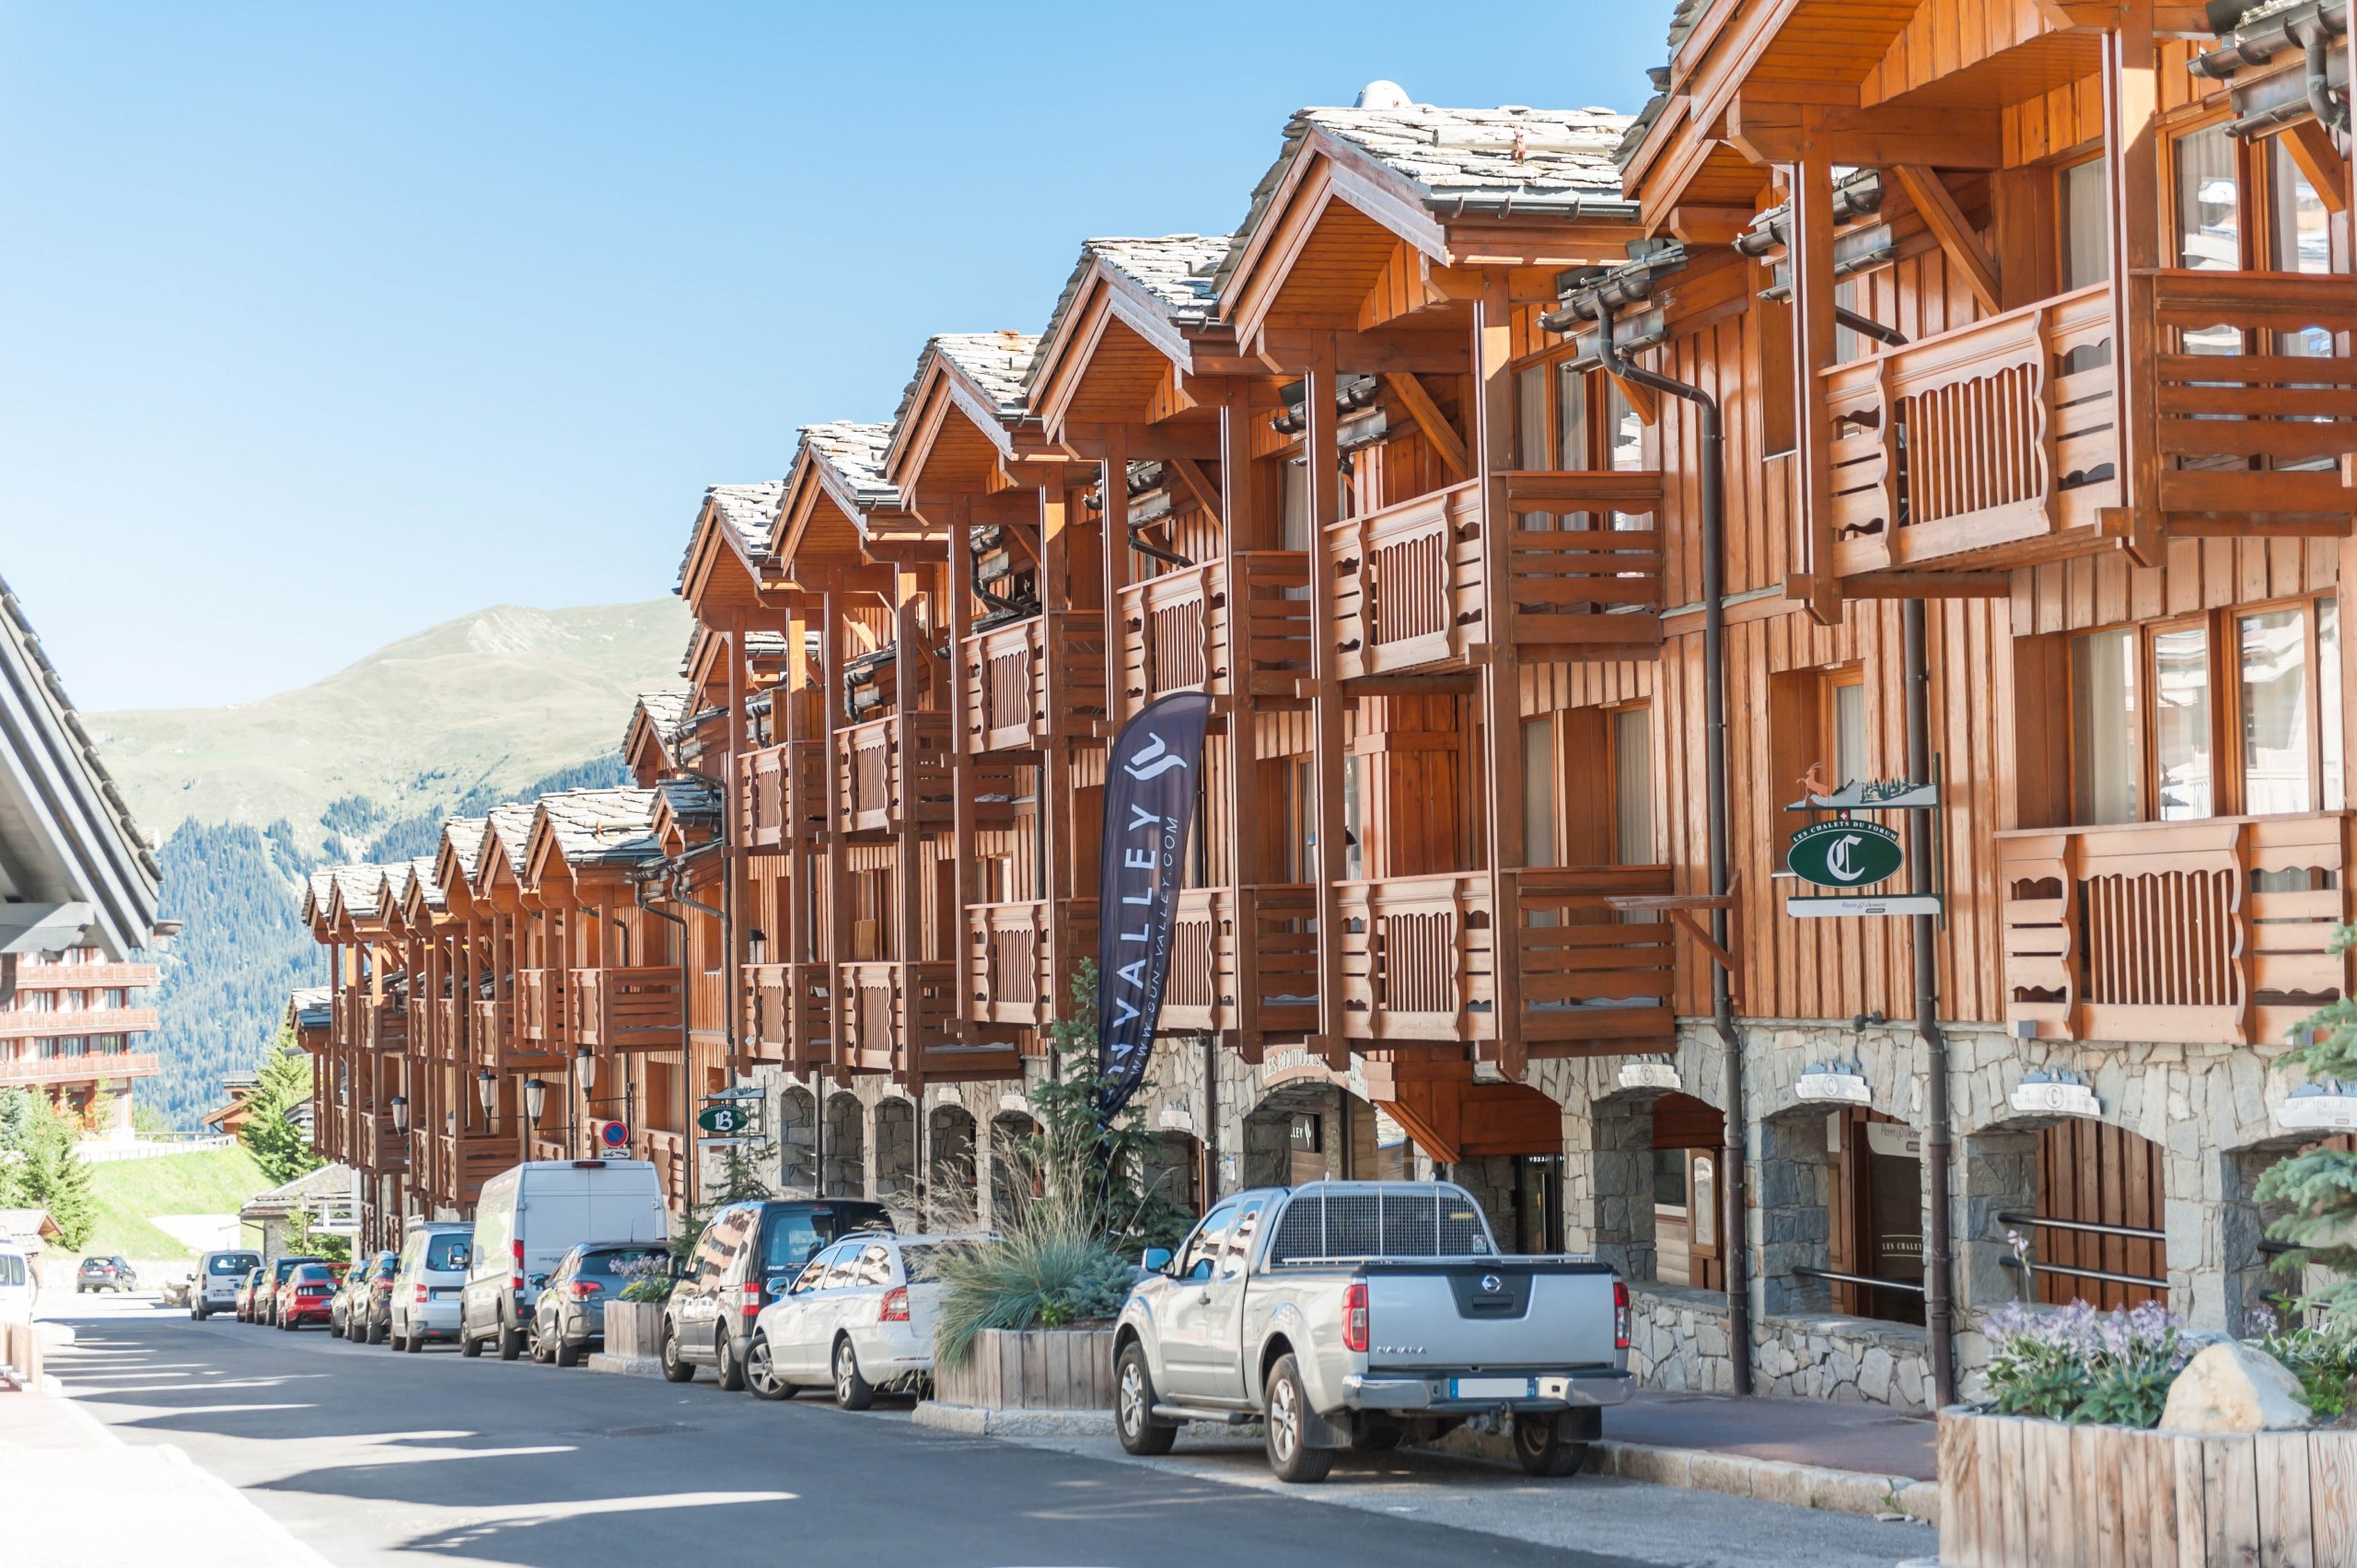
(399, 1106)
(487, 1086)
(536, 1095)
(584, 1067)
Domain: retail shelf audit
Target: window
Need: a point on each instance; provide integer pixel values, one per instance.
(2208, 201)
(1846, 701)
(1239, 1240)
(2181, 723)
(2299, 230)
(1557, 403)
(1539, 846)
(1626, 430)
(1532, 450)
(1632, 786)
(2104, 724)
(1209, 1238)
(1571, 407)
(2083, 196)
(2276, 752)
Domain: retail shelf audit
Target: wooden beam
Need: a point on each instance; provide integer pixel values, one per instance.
(1190, 474)
(2131, 111)
(1709, 225)
(1954, 231)
(1643, 401)
(1939, 138)
(2311, 147)
(1432, 421)
(1909, 584)
(1287, 349)
(1811, 182)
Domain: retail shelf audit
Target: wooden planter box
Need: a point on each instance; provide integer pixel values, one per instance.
(634, 1328)
(2016, 1491)
(1034, 1369)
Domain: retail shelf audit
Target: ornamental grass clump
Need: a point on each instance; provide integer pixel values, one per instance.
(2077, 1364)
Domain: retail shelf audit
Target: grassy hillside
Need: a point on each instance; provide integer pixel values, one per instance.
(210, 1182)
(487, 703)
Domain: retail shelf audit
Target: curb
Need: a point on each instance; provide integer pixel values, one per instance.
(1772, 1481)
(977, 1421)
(625, 1366)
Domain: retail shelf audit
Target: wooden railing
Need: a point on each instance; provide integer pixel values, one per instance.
(382, 1148)
(2254, 392)
(491, 1029)
(626, 1009)
(1030, 682)
(461, 1164)
(539, 1003)
(1408, 583)
(450, 1029)
(85, 977)
(876, 785)
(1235, 626)
(901, 1018)
(77, 1021)
(787, 1012)
(1974, 446)
(781, 793)
(1417, 957)
(384, 1026)
(1009, 968)
(1583, 563)
(345, 1008)
(79, 1069)
(668, 1152)
(2209, 932)
(1244, 958)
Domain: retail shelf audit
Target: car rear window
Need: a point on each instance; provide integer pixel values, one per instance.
(232, 1263)
(314, 1274)
(610, 1265)
(792, 1238)
(448, 1250)
(12, 1269)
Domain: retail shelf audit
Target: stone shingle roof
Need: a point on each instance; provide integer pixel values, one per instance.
(323, 887)
(464, 835)
(1176, 270)
(666, 713)
(750, 510)
(360, 887)
(855, 452)
(759, 645)
(997, 363)
(511, 825)
(395, 885)
(1681, 22)
(603, 826)
(1539, 162)
(421, 871)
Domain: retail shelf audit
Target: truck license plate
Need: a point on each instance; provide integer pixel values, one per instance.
(1489, 1388)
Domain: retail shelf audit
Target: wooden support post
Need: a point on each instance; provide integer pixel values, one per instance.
(1502, 675)
(1321, 450)
(1054, 864)
(1115, 487)
(2132, 165)
(837, 933)
(965, 707)
(733, 858)
(1246, 869)
(1811, 254)
(907, 851)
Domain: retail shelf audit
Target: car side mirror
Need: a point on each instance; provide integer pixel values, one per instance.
(539, 1280)
(677, 1268)
(1156, 1261)
(1201, 1271)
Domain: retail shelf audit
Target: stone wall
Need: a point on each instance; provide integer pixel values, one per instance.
(1679, 1341)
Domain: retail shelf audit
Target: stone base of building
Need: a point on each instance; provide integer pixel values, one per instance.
(1678, 1342)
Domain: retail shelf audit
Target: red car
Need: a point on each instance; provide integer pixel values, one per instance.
(309, 1294)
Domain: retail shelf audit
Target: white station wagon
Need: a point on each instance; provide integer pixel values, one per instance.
(859, 1315)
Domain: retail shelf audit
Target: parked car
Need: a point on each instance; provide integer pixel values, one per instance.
(1344, 1314)
(105, 1274)
(748, 1253)
(273, 1282)
(309, 1294)
(859, 1315)
(218, 1275)
(348, 1317)
(17, 1284)
(529, 1218)
(423, 1301)
(250, 1291)
(570, 1315)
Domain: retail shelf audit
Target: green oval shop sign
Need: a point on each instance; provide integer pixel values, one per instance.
(1845, 852)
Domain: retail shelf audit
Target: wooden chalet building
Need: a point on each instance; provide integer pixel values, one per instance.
(1558, 507)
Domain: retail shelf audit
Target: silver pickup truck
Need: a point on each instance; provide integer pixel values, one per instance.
(1354, 1314)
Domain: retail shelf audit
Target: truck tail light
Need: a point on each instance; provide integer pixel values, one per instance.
(749, 1296)
(895, 1305)
(517, 1282)
(1355, 1316)
(1619, 1315)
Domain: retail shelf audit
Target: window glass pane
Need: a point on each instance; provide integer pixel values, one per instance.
(2086, 232)
(1632, 786)
(2299, 236)
(1849, 733)
(2208, 215)
(1570, 417)
(2181, 723)
(1538, 792)
(1625, 430)
(2103, 727)
(1296, 520)
(1353, 867)
(2329, 701)
(1846, 342)
(2275, 711)
(1530, 449)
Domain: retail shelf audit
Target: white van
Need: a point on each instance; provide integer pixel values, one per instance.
(529, 1218)
(17, 1284)
(218, 1275)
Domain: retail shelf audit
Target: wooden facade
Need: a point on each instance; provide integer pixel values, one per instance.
(2038, 313)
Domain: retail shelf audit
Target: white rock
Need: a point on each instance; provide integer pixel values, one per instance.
(2234, 1388)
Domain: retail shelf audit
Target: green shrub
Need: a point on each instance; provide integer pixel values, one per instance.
(2075, 1364)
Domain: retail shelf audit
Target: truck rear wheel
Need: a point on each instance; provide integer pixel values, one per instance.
(1133, 1406)
(1549, 1444)
(1290, 1455)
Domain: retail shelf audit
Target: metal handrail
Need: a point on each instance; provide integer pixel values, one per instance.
(2092, 1228)
(2078, 1274)
(1806, 1273)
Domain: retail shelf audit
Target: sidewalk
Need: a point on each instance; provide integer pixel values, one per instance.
(1873, 1439)
(72, 1493)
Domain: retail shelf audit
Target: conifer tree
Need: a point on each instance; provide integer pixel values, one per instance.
(276, 1140)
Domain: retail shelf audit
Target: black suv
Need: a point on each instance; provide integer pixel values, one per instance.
(748, 1254)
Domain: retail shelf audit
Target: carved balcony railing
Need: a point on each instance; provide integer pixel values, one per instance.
(637, 1008)
(450, 1029)
(1237, 626)
(1010, 967)
(540, 1005)
(491, 1029)
(1031, 682)
(1980, 447)
(1417, 958)
(77, 1021)
(2216, 931)
(781, 794)
(787, 1012)
(901, 1018)
(1244, 958)
(1410, 582)
(877, 789)
(384, 1026)
(2254, 395)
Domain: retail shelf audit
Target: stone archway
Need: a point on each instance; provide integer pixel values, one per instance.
(1173, 1167)
(1013, 1182)
(797, 1141)
(952, 1202)
(896, 1155)
(846, 1170)
(1646, 1196)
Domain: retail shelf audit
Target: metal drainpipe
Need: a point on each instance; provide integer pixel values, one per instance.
(1939, 1280)
(1735, 1247)
(687, 1163)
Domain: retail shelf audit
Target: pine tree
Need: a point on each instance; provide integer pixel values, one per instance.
(46, 1173)
(275, 1139)
(1103, 1164)
(2320, 1184)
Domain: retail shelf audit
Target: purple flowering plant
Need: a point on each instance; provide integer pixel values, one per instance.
(2079, 1365)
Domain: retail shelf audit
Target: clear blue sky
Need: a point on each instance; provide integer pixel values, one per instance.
(326, 323)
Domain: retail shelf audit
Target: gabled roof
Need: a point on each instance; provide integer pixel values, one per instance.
(997, 362)
(1159, 291)
(510, 826)
(355, 889)
(980, 375)
(462, 839)
(658, 716)
(316, 894)
(750, 510)
(421, 882)
(732, 522)
(837, 481)
(852, 453)
(599, 826)
(71, 857)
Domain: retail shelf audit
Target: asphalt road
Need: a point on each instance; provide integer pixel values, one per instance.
(370, 1458)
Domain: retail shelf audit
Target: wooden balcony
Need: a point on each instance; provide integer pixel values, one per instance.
(1419, 957)
(781, 794)
(1244, 958)
(461, 1164)
(540, 1005)
(1995, 445)
(1010, 968)
(1409, 584)
(450, 1029)
(1031, 682)
(668, 1152)
(71, 1022)
(2217, 930)
(98, 1066)
(635, 1008)
(2255, 394)
(384, 1026)
(491, 1029)
(381, 1147)
(878, 790)
(85, 977)
(788, 1013)
(1233, 627)
(901, 1018)
(345, 1008)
